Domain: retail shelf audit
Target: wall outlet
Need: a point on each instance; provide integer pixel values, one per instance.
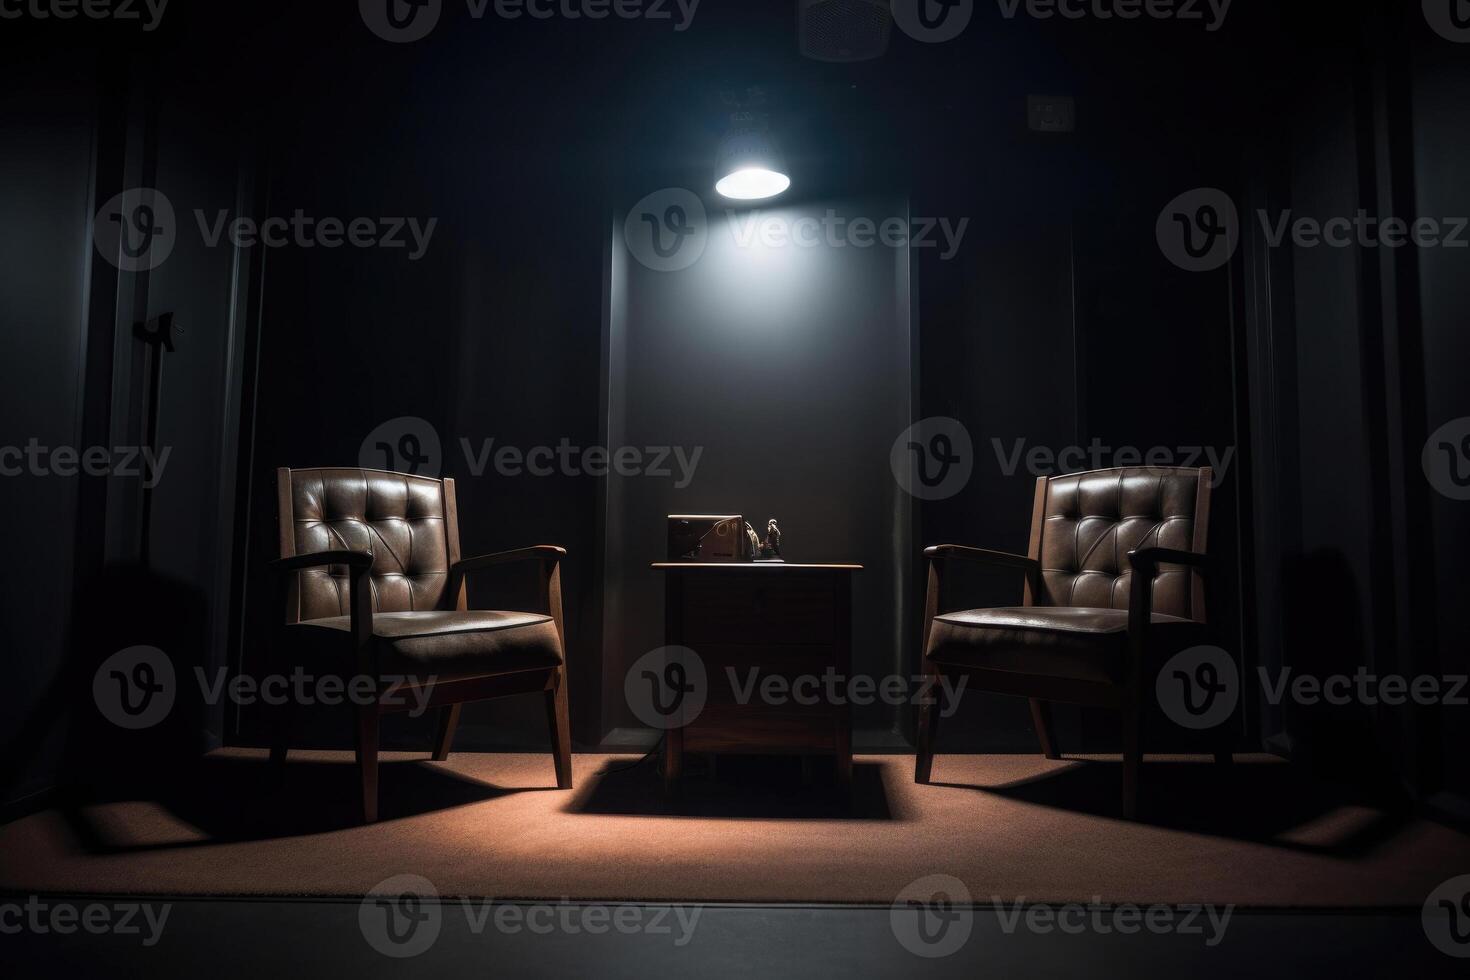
(1051, 113)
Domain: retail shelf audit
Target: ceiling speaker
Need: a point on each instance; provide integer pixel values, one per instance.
(843, 30)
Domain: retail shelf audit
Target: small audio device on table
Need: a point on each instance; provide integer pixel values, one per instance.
(721, 537)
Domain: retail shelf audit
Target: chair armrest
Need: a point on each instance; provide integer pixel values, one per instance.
(984, 556)
(359, 598)
(295, 563)
(537, 552)
(937, 554)
(549, 555)
(1145, 563)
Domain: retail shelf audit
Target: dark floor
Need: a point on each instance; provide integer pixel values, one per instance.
(232, 938)
(1001, 828)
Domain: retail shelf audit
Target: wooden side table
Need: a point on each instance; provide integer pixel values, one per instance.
(751, 621)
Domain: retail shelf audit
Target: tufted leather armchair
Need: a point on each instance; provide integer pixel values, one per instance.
(1113, 583)
(373, 590)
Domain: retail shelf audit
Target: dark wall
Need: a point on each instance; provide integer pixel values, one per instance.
(1058, 321)
(999, 353)
(491, 336)
(1366, 366)
(1053, 296)
(1331, 566)
(44, 258)
(1440, 121)
(93, 109)
(1062, 324)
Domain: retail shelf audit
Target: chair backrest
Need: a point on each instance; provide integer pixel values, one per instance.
(1084, 524)
(407, 523)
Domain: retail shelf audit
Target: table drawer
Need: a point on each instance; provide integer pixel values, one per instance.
(754, 607)
(762, 729)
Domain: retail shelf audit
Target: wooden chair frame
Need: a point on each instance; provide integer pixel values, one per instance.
(399, 695)
(1126, 696)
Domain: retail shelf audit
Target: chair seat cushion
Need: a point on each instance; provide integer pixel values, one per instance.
(448, 644)
(1083, 643)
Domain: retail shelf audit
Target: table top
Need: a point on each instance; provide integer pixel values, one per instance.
(665, 566)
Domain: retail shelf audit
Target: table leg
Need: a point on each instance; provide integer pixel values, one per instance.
(843, 631)
(673, 758)
(844, 750)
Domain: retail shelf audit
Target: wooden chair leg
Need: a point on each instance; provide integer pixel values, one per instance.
(280, 734)
(1224, 745)
(280, 716)
(673, 762)
(1041, 718)
(367, 759)
(558, 722)
(1132, 757)
(448, 722)
(927, 734)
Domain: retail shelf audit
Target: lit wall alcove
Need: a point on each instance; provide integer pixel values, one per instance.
(784, 356)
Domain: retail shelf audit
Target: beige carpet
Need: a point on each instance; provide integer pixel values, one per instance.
(1010, 827)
